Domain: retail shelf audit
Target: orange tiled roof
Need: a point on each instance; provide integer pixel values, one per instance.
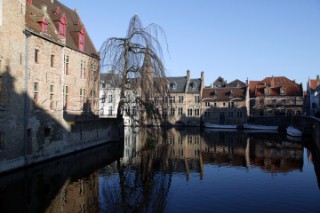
(313, 84)
(257, 88)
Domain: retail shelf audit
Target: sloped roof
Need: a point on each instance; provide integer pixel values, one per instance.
(223, 94)
(219, 82)
(33, 16)
(194, 85)
(179, 82)
(236, 83)
(257, 88)
(313, 84)
(74, 25)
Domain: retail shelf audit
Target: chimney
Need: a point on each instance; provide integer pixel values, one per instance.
(317, 77)
(188, 75)
(202, 76)
(247, 82)
(202, 79)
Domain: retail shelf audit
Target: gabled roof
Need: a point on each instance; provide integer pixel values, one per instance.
(219, 82)
(313, 84)
(179, 82)
(74, 25)
(33, 16)
(223, 94)
(194, 85)
(236, 83)
(274, 84)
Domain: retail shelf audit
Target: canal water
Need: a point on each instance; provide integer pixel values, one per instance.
(177, 170)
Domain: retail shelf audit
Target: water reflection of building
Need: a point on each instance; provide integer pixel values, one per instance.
(240, 149)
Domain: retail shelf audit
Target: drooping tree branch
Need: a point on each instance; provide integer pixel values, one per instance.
(137, 60)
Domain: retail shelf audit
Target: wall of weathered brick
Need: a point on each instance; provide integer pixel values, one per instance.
(51, 130)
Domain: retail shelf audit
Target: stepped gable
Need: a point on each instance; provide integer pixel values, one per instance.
(74, 25)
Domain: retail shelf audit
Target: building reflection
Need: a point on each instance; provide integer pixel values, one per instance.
(69, 184)
(265, 150)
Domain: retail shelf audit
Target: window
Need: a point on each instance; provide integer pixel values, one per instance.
(103, 98)
(172, 111)
(282, 91)
(267, 91)
(239, 114)
(173, 86)
(215, 104)
(231, 104)
(180, 99)
(180, 111)
(52, 61)
(110, 110)
(189, 112)
(36, 56)
(82, 95)
(51, 97)
(207, 104)
(93, 69)
(62, 24)
(172, 99)
(196, 99)
(66, 64)
(165, 100)
(196, 112)
(110, 98)
(35, 93)
(65, 97)
(43, 25)
(81, 39)
(82, 69)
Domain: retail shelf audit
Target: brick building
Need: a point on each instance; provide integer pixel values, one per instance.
(49, 80)
(274, 96)
(224, 104)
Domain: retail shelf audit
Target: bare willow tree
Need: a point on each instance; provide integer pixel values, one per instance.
(137, 61)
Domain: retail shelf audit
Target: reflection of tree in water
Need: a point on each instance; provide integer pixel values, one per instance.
(142, 183)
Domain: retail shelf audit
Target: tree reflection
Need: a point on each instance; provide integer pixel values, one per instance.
(143, 180)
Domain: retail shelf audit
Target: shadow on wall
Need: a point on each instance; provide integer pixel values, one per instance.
(30, 134)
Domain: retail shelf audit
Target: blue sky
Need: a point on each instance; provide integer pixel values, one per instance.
(234, 39)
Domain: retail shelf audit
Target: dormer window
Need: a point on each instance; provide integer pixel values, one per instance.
(43, 24)
(282, 91)
(82, 39)
(266, 91)
(173, 86)
(193, 85)
(57, 11)
(62, 25)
